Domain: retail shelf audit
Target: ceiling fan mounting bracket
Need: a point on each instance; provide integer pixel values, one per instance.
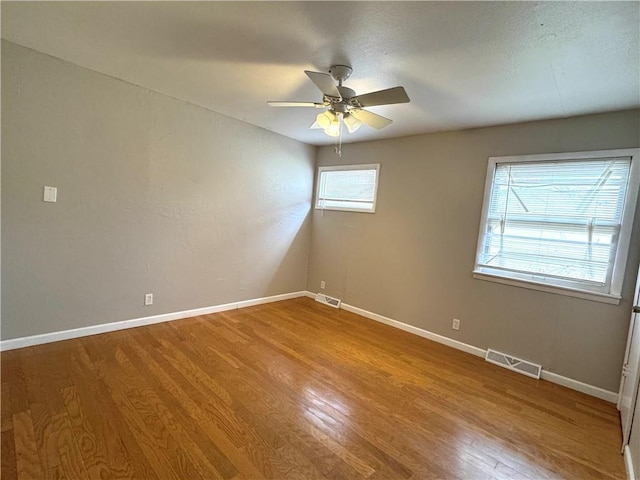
(340, 73)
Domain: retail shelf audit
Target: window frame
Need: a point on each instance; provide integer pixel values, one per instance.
(613, 295)
(336, 168)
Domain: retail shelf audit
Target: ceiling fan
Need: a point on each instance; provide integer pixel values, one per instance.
(342, 103)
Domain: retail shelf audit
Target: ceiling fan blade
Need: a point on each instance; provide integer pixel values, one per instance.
(383, 97)
(324, 82)
(372, 119)
(315, 125)
(296, 104)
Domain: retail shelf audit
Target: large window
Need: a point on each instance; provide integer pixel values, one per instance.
(351, 187)
(559, 223)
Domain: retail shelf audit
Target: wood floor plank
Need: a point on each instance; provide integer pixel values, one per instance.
(44, 403)
(290, 390)
(8, 465)
(17, 400)
(28, 464)
(102, 450)
(6, 407)
(92, 448)
(71, 463)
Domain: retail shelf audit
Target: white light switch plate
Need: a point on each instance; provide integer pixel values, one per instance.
(50, 194)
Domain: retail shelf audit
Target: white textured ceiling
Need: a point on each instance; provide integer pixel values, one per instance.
(463, 64)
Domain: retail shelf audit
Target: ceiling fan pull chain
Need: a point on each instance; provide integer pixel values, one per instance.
(338, 140)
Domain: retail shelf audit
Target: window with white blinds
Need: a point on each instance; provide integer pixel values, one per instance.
(351, 187)
(562, 221)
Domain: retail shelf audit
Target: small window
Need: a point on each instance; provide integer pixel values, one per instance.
(559, 223)
(351, 188)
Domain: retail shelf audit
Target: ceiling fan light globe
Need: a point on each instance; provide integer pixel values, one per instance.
(325, 119)
(352, 123)
(333, 130)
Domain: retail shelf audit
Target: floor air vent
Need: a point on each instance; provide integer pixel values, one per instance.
(512, 363)
(332, 302)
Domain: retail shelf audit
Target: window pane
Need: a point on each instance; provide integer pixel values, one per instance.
(579, 189)
(345, 188)
(343, 205)
(349, 185)
(558, 254)
(556, 219)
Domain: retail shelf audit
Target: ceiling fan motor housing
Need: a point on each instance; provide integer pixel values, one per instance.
(342, 105)
(346, 92)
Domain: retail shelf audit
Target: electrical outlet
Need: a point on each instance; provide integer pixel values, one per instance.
(148, 299)
(322, 285)
(455, 324)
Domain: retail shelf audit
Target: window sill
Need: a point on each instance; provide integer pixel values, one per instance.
(570, 292)
(339, 209)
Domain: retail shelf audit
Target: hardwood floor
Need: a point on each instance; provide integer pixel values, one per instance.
(289, 390)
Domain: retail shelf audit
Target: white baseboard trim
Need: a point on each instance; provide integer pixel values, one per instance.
(274, 298)
(416, 331)
(21, 342)
(545, 375)
(628, 464)
(597, 392)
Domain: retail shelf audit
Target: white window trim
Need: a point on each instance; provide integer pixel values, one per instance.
(368, 166)
(620, 262)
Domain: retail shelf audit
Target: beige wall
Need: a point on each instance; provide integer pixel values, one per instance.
(154, 195)
(412, 260)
